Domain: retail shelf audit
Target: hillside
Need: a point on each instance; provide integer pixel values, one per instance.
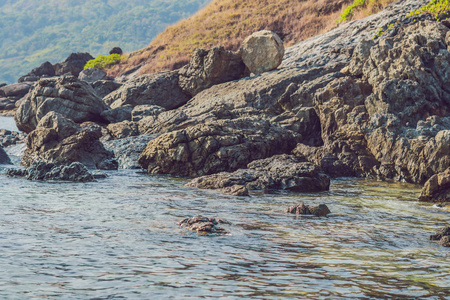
(228, 22)
(34, 31)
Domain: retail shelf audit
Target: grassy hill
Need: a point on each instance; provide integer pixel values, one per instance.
(228, 22)
(34, 31)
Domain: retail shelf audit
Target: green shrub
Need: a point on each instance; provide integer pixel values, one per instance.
(103, 61)
(434, 7)
(348, 12)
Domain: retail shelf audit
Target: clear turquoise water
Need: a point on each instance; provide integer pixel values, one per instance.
(118, 239)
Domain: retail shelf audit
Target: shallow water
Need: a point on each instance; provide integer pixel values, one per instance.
(8, 123)
(118, 239)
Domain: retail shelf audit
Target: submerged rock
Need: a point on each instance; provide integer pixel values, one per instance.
(204, 225)
(262, 51)
(443, 236)
(279, 172)
(75, 171)
(210, 67)
(302, 209)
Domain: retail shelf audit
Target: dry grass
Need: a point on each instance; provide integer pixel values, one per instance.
(228, 22)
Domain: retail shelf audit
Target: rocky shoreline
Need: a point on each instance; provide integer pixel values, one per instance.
(346, 103)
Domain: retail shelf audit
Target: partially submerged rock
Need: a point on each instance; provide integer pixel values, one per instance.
(443, 236)
(68, 96)
(302, 209)
(437, 188)
(225, 145)
(4, 158)
(8, 138)
(279, 172)
(262, 51)
(75, 172)
(204, 225)
(59, 140)
(210, 67)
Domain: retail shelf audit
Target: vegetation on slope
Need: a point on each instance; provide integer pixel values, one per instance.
(228, 22)
(34, 31)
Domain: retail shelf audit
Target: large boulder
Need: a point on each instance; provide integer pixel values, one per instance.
(105, 87)
(73, 64)
(68, 96)
(280, 172)
(224, 145)
(437, 188)
(44, 70)
(210, 67)
(153, 89)
(59, 140)
(92, 75)
(262, 51)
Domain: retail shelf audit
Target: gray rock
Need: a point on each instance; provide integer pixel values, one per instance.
(105, 87)
(75, 172)
(116, 50)
(262, 51)
(73, 64)
(437, 188)
(280, 172)
(160, 89)
(127, 150)
(141, 111)
(8, 138)
(7, 104)
(210, 67)
(59, 140)
(204, 225)
(119, 114)
(224, 145)
(123, 129)
(16, 89)
(68, 96)
(91, 75)
(4, 158)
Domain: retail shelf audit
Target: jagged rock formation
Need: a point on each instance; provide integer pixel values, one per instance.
(68, 96)
(320, 210)
(437, 188)
(262, 51)
(59, 140)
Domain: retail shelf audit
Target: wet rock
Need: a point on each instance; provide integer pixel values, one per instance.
(105, 87)
(204, 225)
(141, 111)
(262, 51)
(59, 140)
(119, 114)
(210, 67)
(91, 75)
(152, 89)
(68, 96)
(437, 188)
(122, 129)
(443, 236)
(75, 171)
(302, 209)
(225, 145)
(280, 172)
(445, 241)
(127, 150)
(4, 158)
(73, 64)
